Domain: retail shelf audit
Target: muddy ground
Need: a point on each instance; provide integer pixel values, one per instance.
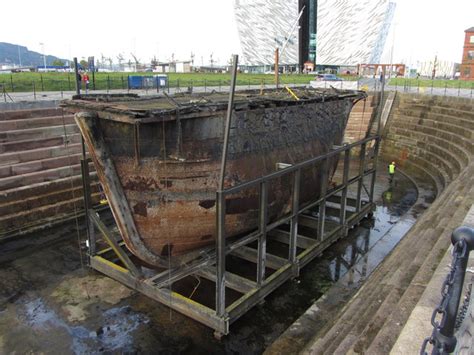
(51, 302)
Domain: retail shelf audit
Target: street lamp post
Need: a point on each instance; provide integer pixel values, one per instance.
(44, 56)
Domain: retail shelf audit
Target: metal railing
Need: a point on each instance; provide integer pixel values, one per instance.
(61, 89)
(12, 89)
(442, 338)
(297, 208)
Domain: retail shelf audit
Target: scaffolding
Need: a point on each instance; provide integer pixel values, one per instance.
(305, 231)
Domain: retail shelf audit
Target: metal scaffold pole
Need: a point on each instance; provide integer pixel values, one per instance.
(220, 243)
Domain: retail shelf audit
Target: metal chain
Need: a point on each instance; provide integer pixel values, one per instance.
(458, 251)
(464, 308)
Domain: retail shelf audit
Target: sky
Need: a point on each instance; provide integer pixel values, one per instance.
(167, 28)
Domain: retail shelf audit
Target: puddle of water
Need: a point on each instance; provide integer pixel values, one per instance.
(116, 332)
(351, 259)
(139, 324)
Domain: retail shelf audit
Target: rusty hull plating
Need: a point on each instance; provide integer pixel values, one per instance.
(158, 159)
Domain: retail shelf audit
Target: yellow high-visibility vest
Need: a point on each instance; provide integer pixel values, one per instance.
(391, 169)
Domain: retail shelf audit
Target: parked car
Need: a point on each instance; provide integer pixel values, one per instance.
(327, 77)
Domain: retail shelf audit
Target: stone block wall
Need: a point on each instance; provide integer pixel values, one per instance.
(40, 174)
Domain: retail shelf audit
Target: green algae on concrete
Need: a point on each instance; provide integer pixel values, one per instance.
(76, 294)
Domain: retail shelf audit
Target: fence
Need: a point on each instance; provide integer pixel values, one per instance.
(45, 86)
(41, 83)
(54, 88)
(434, 87)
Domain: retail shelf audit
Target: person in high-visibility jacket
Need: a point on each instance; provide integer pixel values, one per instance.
(391, 171)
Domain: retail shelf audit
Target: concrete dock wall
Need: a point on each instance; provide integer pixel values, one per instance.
(431, 136)
(40, 182)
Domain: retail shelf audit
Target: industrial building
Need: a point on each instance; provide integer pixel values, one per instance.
(467, 65)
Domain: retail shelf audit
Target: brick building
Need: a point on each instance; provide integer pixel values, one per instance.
(467, 65)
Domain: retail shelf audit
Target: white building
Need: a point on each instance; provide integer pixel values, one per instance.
(348, 32)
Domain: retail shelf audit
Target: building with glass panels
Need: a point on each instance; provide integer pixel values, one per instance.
(329, 32)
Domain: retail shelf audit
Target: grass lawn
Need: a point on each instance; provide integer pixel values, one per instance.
(27, 82)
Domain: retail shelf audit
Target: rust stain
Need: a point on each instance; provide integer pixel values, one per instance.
(404, 154)
(206, 237)
(166, 183)
(241, 204)
(167, 249)
(172, 199)
(141, 183)
(207, 204)
(140, 209)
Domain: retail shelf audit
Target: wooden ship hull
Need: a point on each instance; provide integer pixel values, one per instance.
(159, 159)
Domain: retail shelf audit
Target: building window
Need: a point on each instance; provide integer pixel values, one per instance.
(471, 39)
(470, 55)
(467, 72)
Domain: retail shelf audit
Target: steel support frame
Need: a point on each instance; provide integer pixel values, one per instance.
(86, 188)
(345, 179)
(214, 266)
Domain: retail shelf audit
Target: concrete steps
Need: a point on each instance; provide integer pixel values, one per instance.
(453, 211)
(30, 144)
(39, 176)
(437, 155)
(39, 165)
(30, 113)
(445, 171)
(420, 173)
(46, 214)
(24, 192)
(38, 154)
(417, 139)
(460, 129)
(386, 337)
(40, 181)
(372, 320)
(38, 133)
(436, 106)
(353, 319)
(445, 134)
(420, 113)
(439, 137)
(36, 122)
(51, 197)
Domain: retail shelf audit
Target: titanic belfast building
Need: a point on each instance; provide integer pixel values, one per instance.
(325, 32)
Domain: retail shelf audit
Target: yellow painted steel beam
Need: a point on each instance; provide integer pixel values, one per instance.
(111, 264)
(292, 93)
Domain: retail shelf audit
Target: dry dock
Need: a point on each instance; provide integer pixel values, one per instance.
(50, 299)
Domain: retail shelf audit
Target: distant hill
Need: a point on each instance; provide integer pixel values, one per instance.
(11, 54)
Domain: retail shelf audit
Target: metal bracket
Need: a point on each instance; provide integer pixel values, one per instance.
(114, 245)
(281, 166)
